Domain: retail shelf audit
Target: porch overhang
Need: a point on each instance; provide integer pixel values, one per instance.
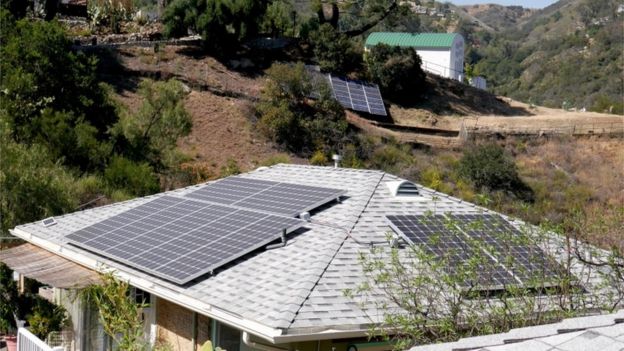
(48, 268)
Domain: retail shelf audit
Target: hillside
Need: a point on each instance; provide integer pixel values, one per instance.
(568, 54)
(498, 17)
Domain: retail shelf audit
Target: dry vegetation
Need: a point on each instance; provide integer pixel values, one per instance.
(565, 173)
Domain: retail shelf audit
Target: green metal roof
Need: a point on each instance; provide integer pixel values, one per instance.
(429, 40)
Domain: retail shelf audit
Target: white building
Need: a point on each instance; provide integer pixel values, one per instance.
(441, 53)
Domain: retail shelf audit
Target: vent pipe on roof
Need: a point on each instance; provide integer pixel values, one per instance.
(337, 158)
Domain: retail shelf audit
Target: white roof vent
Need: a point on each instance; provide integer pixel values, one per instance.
(403, 188)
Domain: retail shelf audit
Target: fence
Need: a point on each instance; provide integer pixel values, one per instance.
(27, 341)
(580, 129)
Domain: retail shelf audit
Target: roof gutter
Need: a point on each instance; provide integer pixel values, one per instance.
(258, 346)
(246, 325)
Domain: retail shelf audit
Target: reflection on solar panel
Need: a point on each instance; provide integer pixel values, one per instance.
(181, 239)
(358, 96)
(262, 195)
(507, 258)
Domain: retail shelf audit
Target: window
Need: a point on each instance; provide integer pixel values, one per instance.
(227, 337)
(140, 296)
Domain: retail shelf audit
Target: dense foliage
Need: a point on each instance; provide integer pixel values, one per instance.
(334, 51)
(221, 24)
(397, 71)
(51, 95)
(65, 142)
(291, 118)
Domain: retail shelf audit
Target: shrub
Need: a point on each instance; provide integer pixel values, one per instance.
(277, 159)
(289, 117)
(135, 178)
(45, 317)
(230, 168)
(319, 158)
(489, 167)
(392, 157)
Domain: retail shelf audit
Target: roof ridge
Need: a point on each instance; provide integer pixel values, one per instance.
(346, 236)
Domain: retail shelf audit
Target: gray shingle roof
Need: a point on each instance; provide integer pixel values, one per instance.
(592, 333)
(299, 288)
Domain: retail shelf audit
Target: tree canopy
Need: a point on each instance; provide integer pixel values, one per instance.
(397, 70)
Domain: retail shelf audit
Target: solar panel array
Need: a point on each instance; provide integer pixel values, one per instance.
(280, 198)
(182, 238)
(505, 256)
(358, 96)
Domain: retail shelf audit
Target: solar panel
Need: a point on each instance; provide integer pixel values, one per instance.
(261, 195)
(434, 235)
(181, 239)
(507, 244)
(358, 96)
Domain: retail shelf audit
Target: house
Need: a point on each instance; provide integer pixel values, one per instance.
(441, 53)
(289, 295)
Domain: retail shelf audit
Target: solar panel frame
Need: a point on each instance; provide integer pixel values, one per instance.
(155, 237)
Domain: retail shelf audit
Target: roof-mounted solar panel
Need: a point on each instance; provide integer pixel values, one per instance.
(181, 239)
(48, 222)
(284, 199)
(510, 258)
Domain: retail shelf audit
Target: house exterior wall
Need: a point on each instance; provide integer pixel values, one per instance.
(175, 326)
(445, 62)
(436, 61)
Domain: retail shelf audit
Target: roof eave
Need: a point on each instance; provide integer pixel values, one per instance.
(265, 332)
(328, 334)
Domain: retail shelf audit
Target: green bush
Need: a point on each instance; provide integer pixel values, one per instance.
(319, 159)
(135, 178)
(45, 317)
(489, 167)
(290, 118)
(397, 71)
(230, 168)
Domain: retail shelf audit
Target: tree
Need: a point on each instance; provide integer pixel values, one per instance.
(333, 51)
(32, 185)
(280, 19)
(50, 94)
(220, 23)
(397, 70)
(291, 118)
(152, 133)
